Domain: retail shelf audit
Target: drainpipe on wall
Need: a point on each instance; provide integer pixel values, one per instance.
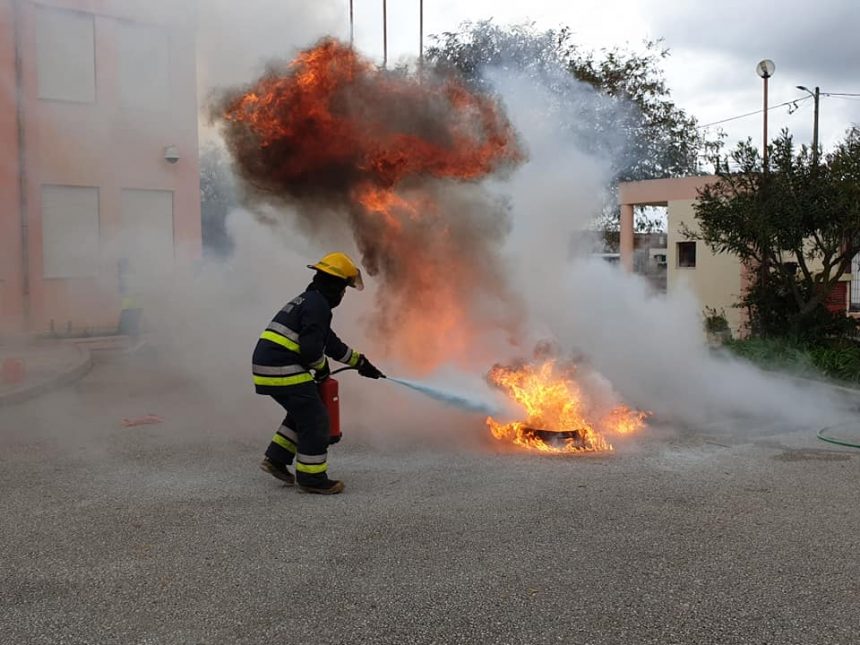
(22, 171)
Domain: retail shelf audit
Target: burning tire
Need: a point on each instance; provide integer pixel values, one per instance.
(550, 398)
(557, 438)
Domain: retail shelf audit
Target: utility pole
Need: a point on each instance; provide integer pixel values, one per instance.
(421, 34)
(816, 96)
(384, 33)
(815, 126)
(351, 24)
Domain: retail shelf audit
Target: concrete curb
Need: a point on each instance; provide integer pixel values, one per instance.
(106, 344)
(80, 367)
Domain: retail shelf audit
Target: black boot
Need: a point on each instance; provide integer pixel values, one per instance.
(278, 470)
(324, 487)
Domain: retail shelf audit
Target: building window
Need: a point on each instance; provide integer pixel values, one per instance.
(687, 254)
(855, 283)
(70, 231)
(147, 230)
(144, 67)
(65, 56)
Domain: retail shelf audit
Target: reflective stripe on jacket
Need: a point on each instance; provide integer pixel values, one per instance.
(297, 340)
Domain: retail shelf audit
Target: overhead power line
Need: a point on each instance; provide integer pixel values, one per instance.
(743, 116)
(842, 95)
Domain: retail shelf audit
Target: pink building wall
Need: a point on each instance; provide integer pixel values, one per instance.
(99, 144)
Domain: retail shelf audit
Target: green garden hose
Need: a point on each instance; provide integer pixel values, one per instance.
(838, 442)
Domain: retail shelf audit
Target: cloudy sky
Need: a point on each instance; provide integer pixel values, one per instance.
(714, 46)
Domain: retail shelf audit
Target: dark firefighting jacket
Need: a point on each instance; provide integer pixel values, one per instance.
(298, 340)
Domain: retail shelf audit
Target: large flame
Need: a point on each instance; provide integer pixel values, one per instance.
(553, 403)
(331, 132)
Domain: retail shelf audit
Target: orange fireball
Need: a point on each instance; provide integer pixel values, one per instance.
(556, 408)
(334, 134)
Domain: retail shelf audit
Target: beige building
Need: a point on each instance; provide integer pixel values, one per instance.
(717, 280)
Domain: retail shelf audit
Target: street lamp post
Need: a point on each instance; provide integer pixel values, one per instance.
(816, 95)
(765, 69)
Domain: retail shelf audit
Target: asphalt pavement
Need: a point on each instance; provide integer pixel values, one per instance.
(168, 533)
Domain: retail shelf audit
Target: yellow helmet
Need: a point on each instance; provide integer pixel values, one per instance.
(340, 265)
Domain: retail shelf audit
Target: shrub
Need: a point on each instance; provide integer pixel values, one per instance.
(837, 359)
(715, 322)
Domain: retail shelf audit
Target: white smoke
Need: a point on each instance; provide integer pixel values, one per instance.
(237, 38)
(650, 346)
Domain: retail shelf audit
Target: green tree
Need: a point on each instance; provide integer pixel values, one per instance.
(796, 224)
(640, 129)
(217, 198)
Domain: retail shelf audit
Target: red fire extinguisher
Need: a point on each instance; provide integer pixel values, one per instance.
(331, 400)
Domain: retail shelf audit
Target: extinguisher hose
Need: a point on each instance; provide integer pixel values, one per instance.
(439, 395)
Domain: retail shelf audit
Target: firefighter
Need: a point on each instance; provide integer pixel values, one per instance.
(289, 361)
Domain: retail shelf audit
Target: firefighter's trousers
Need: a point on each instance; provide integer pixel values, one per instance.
(303, 435)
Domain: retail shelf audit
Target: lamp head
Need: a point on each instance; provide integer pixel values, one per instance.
(765, 68)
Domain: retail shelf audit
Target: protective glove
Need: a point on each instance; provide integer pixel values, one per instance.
(322, 373)
(368, 369)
